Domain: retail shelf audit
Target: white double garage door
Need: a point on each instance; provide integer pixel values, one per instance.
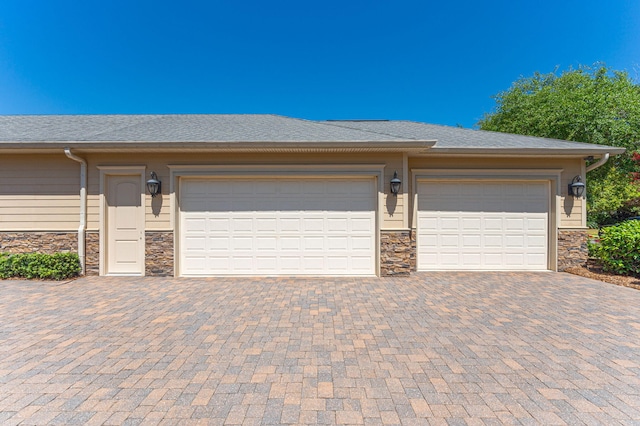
(328, 226)
(266, 226)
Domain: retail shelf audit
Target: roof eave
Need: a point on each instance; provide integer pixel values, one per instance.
(529, 151)
(226, 146)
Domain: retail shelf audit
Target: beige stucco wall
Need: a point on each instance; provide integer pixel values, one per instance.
(41, 192)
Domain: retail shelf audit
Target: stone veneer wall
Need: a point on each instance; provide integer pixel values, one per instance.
(159, 253)
(40, 242)
(397, 253)
(572, 248)
(92, 256)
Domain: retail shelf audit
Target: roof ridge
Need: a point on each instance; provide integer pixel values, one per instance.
(333, 123)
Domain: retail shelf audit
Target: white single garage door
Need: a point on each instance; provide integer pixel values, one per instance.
(277, 227)
(476, 225)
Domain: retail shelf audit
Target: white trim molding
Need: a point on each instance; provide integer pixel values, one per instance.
(243, 171)
(106, 171)
(552, 176)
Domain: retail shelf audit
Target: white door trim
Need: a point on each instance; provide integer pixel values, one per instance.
(553, 176)
(105, 172)
(375, 171)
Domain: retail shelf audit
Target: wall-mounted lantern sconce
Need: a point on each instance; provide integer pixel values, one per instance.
(576, 187)
(395, 183)
(153, 185)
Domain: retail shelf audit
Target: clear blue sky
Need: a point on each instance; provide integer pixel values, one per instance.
(433, 61)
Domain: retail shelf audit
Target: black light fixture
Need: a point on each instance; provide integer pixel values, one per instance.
(153, 185)
(576, 187)
(395, 183)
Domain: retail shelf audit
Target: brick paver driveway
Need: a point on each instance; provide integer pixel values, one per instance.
(435, 348)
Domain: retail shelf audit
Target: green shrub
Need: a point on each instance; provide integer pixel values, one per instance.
(618, 248)
(56, 266)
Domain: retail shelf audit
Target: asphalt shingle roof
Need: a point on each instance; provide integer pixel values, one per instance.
(455, 138)
(178, 128)
(266, 128)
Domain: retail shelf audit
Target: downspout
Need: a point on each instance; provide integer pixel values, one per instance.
(599, 163)
(83, 208)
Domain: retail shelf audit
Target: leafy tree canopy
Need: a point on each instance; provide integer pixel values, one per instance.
(591, 104)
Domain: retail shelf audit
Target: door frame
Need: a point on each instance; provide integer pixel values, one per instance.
(177, 172)
(552, 176)
(105, 173)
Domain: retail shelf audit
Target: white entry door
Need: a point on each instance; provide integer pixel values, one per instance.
(124, 225)
(278, 226)
(483, 225)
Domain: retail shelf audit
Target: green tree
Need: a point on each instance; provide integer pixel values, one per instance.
(591, 104)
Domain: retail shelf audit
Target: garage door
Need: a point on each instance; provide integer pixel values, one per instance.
(482, 225)
(277, 227)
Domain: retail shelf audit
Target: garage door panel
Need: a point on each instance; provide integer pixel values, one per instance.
(217, 243)
(536, 225)
(266, 224)
(242, 263)
(493, 260)
(239, 244)
(337, 225)
(293, 243)
(195, 243)
(313, 224)
(278, 226)
(449, 224)
(266, 243)
(492, 241)
(537, 258)
(505, 228)
(470, 240)
(212, 224)
(492, 224)
(241, 225)
(514, 224)
(471, 223)
(449, 241)
(361, 243)
(195, 225)
(338, 243)
(362, 225)
(515, 259)
(471, 258)
(449, 260)
(313, 264)
(514, 242)
(536, 241)
(313, 243)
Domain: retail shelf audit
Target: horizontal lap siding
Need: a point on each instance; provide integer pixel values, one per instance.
(393, 208)
(570, 207)
(39, 193)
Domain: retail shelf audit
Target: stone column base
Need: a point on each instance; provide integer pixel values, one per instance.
(92, 255)
(159, 253)
(38, 242)
(397, 253)
(572, 248)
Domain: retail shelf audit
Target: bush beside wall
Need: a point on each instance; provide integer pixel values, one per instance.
(618, 248)
(56, 266)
